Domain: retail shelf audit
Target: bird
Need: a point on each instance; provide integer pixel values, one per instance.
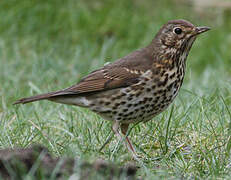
(137, 87)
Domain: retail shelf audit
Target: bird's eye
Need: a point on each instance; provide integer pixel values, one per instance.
(178, 30)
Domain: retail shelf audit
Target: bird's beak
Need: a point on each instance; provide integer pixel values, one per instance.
(202, 29)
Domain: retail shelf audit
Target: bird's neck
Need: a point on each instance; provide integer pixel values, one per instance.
(160, 52)
(169, 60)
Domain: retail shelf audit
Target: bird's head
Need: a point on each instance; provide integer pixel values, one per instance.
(177, 36)
(177, 32)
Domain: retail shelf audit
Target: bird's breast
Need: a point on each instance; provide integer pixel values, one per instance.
(138, 102)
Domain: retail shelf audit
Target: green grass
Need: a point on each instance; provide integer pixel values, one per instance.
(50, 45)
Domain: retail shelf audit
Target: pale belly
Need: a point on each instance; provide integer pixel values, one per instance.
(140, 102)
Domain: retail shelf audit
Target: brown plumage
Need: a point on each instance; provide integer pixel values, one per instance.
(138, 86)
(111, 76)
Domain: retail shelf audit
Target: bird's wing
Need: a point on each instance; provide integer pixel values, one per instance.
(105, 79)
(121, 73)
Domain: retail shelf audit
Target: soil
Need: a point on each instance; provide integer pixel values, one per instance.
(36, 162)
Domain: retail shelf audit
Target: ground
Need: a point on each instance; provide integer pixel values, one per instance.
(50, 45)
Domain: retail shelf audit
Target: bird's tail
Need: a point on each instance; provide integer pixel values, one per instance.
(33, 98)
(48, 96)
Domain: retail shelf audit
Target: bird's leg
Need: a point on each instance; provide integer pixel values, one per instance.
(127, 143)
(124, 129)
(115, 128)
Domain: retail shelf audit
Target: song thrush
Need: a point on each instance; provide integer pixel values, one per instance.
(138, 86)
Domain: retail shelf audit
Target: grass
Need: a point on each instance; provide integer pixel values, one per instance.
(50, 45)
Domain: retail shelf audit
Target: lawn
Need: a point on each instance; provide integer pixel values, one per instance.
(50, 45)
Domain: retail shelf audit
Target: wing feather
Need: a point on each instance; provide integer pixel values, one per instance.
(105, 79)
